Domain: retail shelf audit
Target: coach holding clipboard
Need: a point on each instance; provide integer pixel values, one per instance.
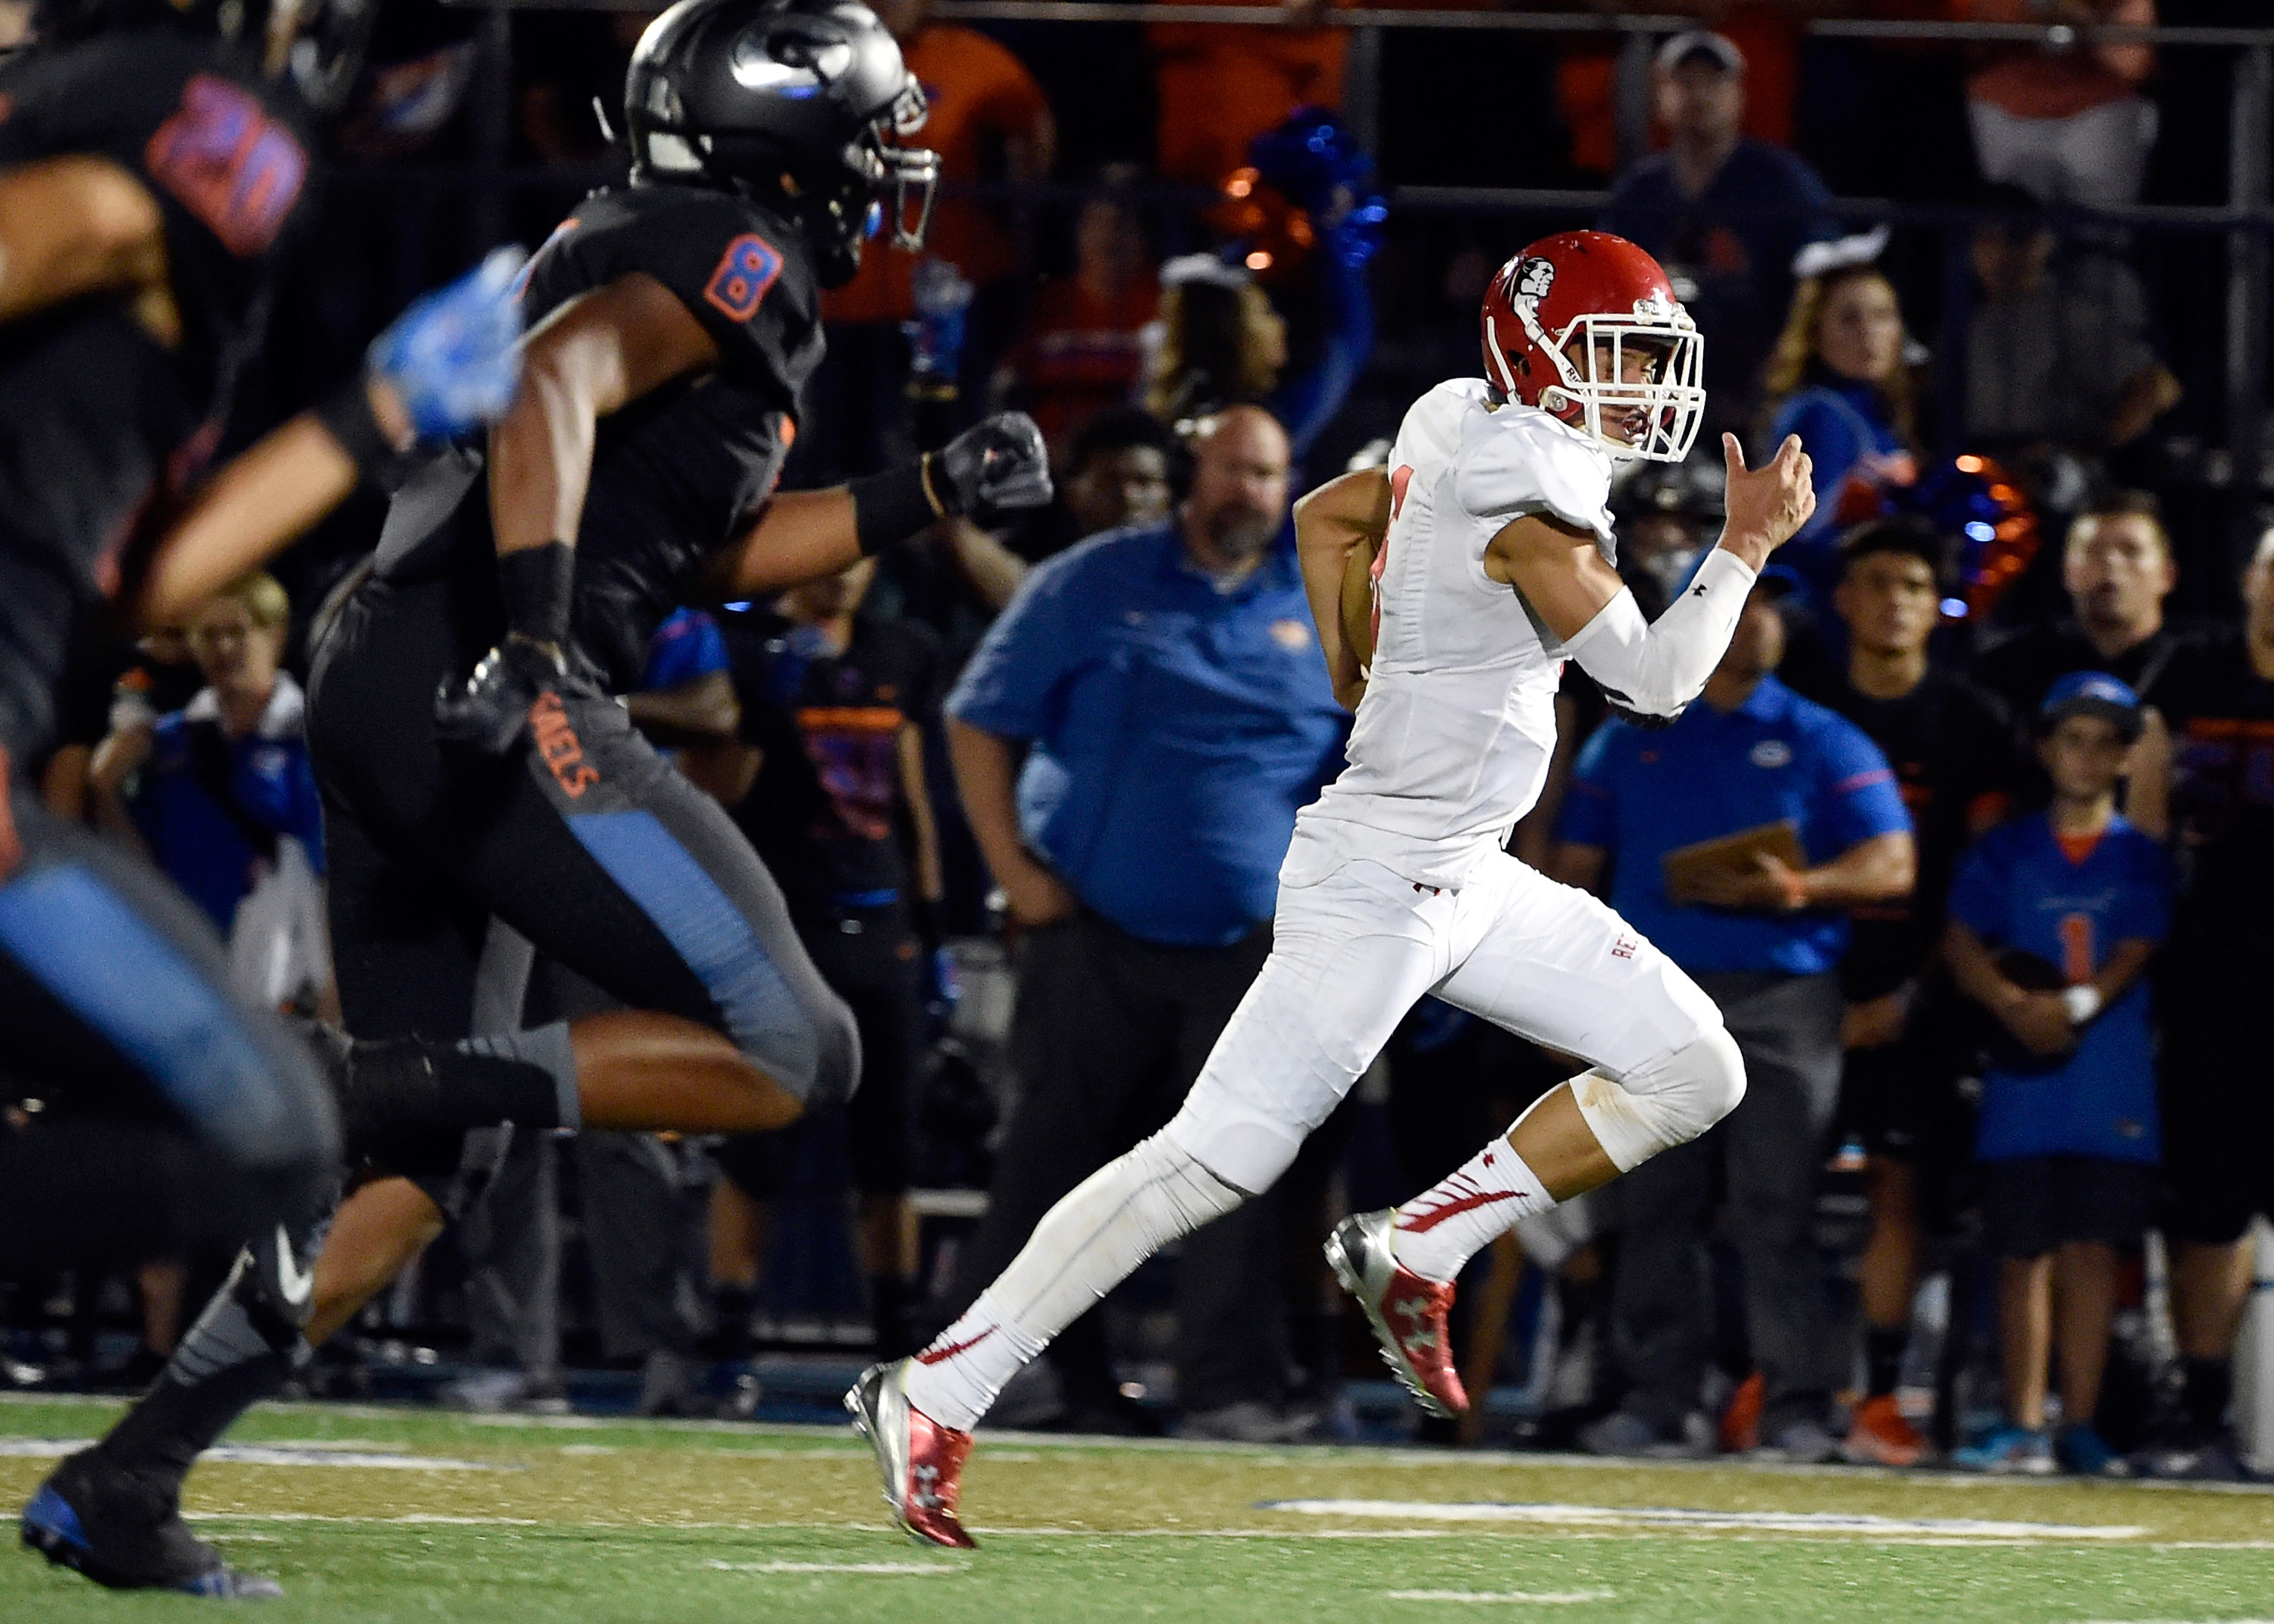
(1736, 840)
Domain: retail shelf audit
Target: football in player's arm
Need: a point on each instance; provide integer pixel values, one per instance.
(1558, 568)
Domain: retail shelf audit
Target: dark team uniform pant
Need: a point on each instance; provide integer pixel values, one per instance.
(2218, 1093)
(583, 840)
(174, 1117)
(872, 957)
(1769, 1152)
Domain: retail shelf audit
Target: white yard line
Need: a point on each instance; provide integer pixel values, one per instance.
(1507, 1598)
(304, 1454)
(1465, 1531)
(833, 1568)
(1672, 1517)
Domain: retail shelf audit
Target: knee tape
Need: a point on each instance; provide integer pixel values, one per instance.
(1667, 1103)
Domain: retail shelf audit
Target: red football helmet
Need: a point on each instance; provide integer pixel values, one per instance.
(1570, 319)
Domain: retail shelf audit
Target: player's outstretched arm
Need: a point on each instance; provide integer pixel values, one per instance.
(1655, 669)
(442, 369)
(999, 465)
(77, 225)
(445, 366)
(1342, 520)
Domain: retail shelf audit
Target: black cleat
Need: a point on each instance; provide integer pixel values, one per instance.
(126, 1534)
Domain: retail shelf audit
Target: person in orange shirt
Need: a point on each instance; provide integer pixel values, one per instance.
(1221, 86)
(2069, 124)
(1083, 349)
(1586, 81)
(988, 121)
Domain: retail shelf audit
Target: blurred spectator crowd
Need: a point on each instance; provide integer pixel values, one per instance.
(1972, 835)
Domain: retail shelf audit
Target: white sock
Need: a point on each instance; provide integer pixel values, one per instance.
(955, 1380)
(1085, 1245)
(1446, 1225)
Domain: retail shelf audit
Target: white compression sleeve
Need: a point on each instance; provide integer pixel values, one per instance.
(1085, 1245)
(1656, 667)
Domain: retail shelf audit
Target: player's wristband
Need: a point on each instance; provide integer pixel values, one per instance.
(2081, 1002)
(538, 584)
(347, 416)
(891, 506)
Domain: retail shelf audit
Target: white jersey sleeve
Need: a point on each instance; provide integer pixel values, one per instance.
(1514, 461)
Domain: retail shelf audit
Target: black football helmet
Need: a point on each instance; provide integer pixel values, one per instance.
(317, 45)
(800, 103)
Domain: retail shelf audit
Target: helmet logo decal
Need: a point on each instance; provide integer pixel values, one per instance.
(1528, 281)
(787, 61)
(1601, 344)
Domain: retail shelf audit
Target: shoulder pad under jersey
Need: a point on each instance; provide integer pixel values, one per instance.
(1433, 422)
(1515, 459)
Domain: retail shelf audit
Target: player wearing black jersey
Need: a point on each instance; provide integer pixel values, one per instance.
(834, 702)
(673, 324)
(150, 183)
(152, 180)
(2217, 1070)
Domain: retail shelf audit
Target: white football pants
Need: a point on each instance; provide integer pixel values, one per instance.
(1357, 946)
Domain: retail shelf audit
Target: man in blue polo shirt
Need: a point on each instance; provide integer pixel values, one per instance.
(1763, 934)
(1165, 688)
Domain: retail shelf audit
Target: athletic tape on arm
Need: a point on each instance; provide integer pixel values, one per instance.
(1659, 666)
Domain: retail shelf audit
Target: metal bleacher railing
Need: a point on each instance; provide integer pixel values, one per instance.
(2240, 463)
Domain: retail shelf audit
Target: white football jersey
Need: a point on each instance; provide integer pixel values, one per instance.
(1452, 739)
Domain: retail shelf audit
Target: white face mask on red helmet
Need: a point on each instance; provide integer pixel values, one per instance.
(1563, 323)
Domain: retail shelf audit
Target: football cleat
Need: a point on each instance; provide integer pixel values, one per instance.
(2010, 1452)
(1882, 1435)
(126, 1534)
(1407, 1312)
(922, 1462)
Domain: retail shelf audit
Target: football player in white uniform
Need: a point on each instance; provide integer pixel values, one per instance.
(1489, 551)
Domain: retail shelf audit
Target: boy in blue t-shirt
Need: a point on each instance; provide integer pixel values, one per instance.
(2053, 919)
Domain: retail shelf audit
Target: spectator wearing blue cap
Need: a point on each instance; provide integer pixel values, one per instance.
(2052, 921)
(1958, 757)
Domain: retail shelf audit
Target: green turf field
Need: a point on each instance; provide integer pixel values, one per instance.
(384, 1514)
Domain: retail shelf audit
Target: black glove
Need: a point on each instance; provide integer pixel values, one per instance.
(999, 466)
(1644, 719)
(488, 712)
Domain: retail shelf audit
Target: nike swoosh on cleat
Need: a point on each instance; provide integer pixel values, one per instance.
(1430, 1219)
(940, 1356)
(295, 1283)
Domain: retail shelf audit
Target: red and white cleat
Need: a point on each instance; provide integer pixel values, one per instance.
(1407, 1312)
(922, 1461)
